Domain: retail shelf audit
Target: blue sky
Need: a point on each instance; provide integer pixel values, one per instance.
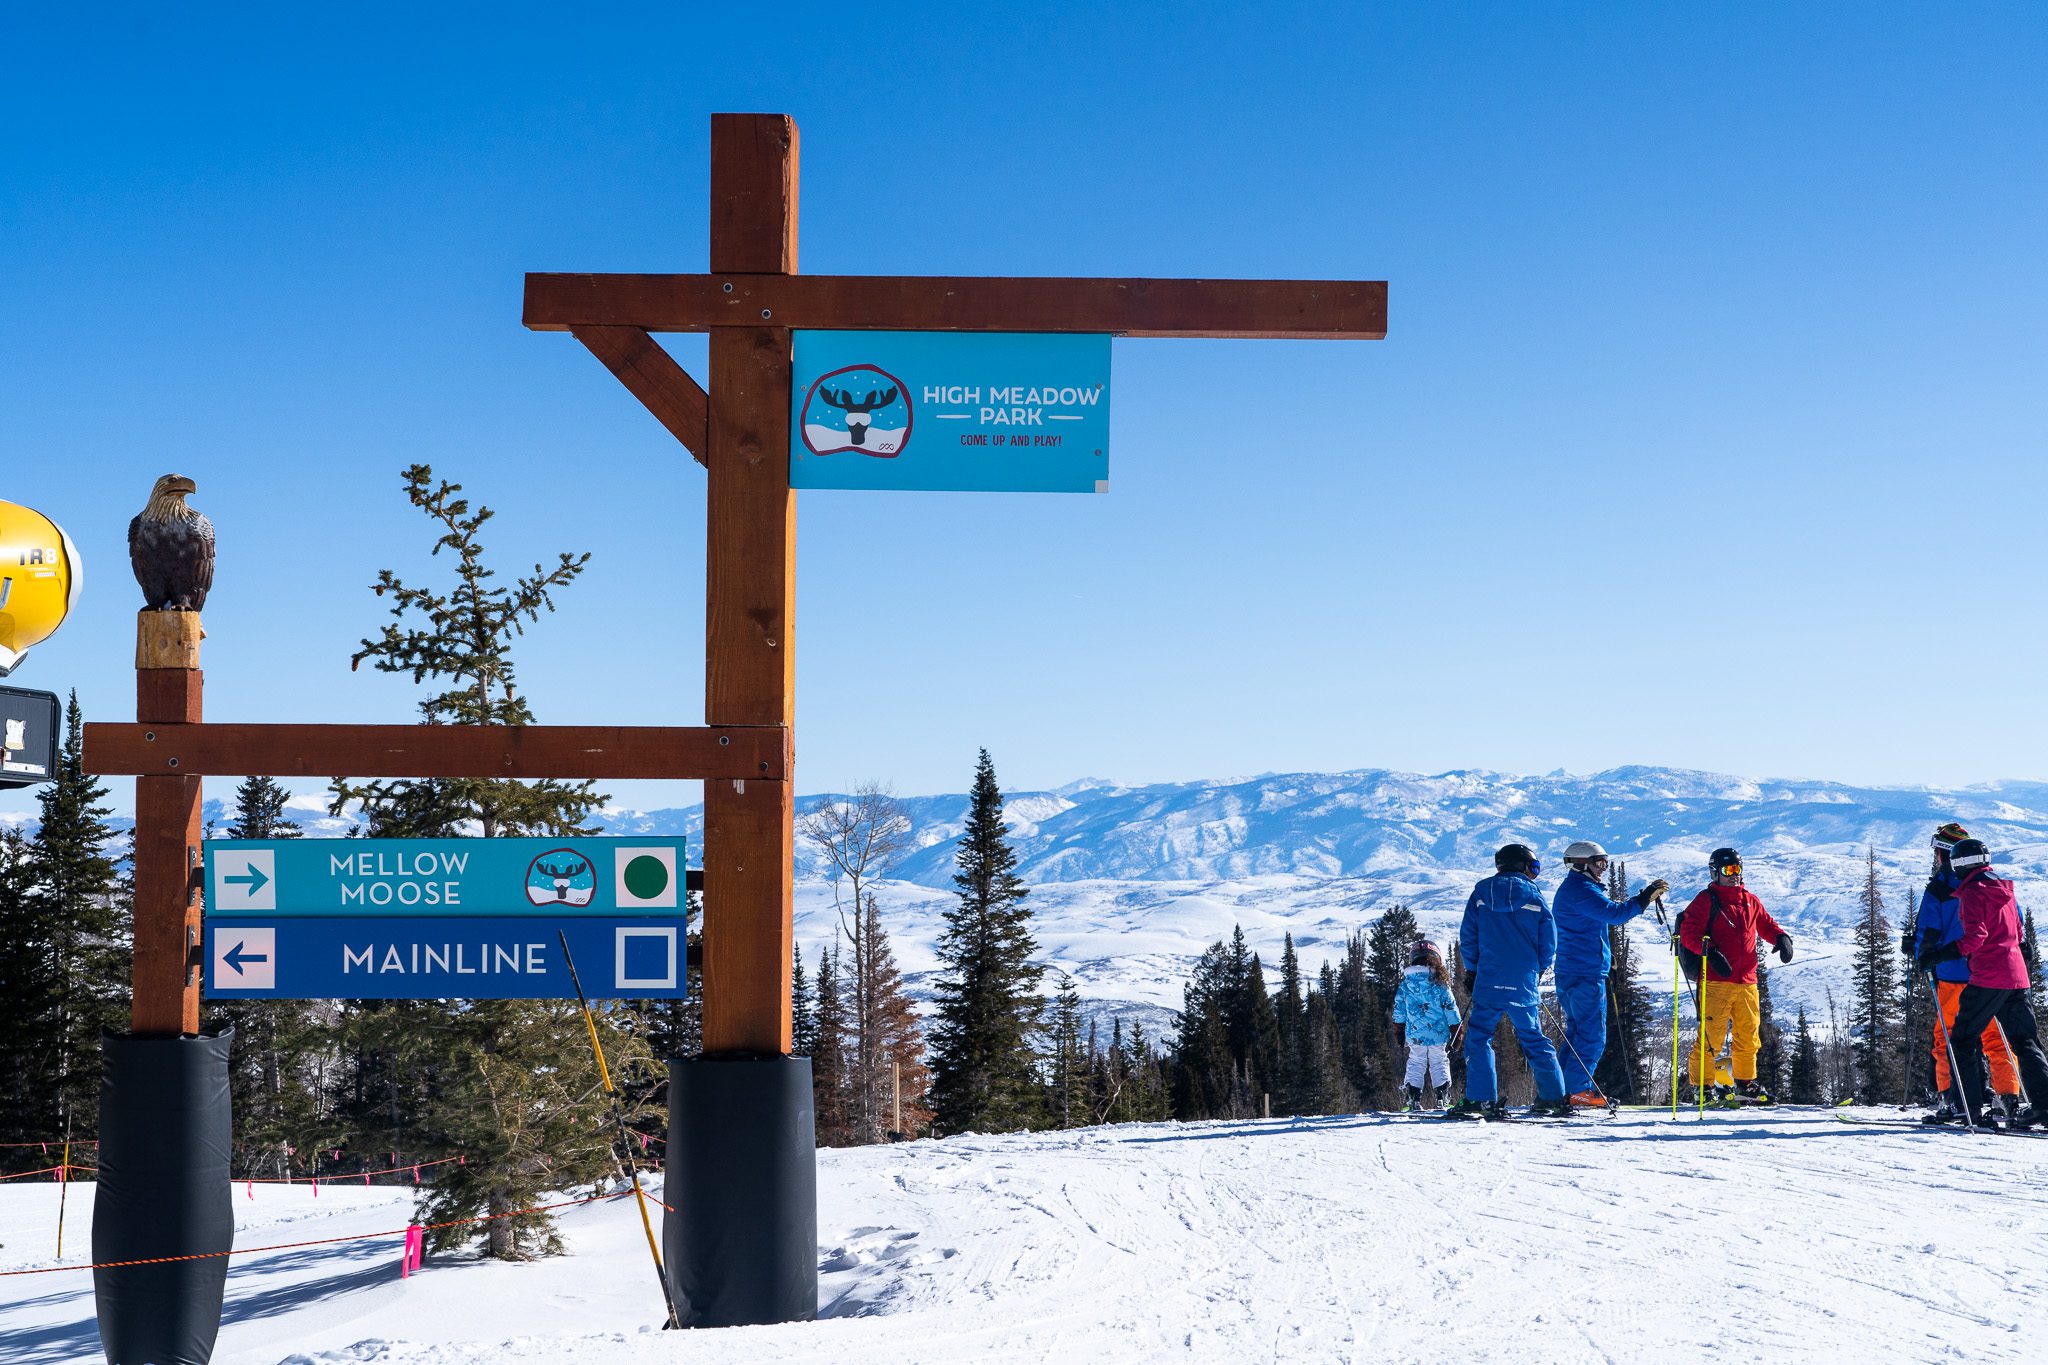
(1708, 430)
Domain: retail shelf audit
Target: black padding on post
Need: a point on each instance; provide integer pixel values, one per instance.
(742, 1176)
(163, 1190)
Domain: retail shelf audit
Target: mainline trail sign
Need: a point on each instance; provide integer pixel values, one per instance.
(470, 957)
(420, 919)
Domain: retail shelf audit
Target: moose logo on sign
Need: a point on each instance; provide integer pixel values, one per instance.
(561, 876)
(858, 408)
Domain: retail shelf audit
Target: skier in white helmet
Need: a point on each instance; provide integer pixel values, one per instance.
(1584, 913)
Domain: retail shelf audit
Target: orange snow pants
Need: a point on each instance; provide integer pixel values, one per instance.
(2004, 1080)
(1728, 1004)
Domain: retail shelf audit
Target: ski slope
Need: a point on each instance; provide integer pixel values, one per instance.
(1780, 1235)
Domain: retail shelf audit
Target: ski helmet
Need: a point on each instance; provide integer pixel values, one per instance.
(1423, 953)
(1725, 862)
(1583, 852)
(1968, 855)
(1517, 858)
(1948, 836)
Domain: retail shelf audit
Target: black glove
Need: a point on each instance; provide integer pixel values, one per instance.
(1470, 977)
(1718, 962)
(1784, 947)
(1947, 952)
(1909, 945)
(1690, 961)
(1650, 893)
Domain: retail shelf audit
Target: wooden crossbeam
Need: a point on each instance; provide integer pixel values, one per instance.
(1324, 310)
(652, 376)
(612, 752)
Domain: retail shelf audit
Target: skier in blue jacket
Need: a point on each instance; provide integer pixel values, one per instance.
(1585, 912)
(1426, 1022)
(1507, 942)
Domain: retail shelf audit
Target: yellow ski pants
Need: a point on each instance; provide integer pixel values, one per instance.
(1724, 1004)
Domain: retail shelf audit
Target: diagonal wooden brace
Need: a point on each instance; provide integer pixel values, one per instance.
(651, 375)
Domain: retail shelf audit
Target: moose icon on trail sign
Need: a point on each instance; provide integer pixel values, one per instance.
(858, 408)
(561, 876)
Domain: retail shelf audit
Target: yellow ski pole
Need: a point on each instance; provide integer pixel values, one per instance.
(625, 1141)
(1674, 1035)
(63, 1184)
(1665, 924)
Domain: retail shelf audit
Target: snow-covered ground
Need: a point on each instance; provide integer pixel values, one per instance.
(1778, 1235)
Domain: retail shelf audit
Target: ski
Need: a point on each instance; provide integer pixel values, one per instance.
(1915, 1126)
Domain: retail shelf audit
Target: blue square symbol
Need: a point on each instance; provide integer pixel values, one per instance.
(647, 957)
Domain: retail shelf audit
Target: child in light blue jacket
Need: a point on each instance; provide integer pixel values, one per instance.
(1426, 1019)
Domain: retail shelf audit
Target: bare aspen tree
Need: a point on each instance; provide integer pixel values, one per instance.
(861, 836)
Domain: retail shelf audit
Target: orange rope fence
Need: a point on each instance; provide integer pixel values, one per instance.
(324, 1241)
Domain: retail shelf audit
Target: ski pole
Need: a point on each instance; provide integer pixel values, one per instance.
(1628, 1071)
(1699, 1011)
(625, 1142)
(1955, 1072)
(1672, 943)
(1557, 1017)
(1674, 1035)
(63, 1183)
(2014, 1059)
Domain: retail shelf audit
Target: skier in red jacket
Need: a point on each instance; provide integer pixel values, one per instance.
(1998, 984)
(1719, 932)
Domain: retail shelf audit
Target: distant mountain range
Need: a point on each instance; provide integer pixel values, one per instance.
(1131, 882)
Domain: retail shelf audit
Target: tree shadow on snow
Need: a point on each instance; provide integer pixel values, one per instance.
(66, 1343)
(1326, 1123)
(1709, 1132)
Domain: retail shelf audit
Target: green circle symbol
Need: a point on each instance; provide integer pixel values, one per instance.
(646, 877)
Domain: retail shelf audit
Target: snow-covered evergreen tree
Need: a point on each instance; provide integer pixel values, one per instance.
(829, 1063)
(1874, 1023)
(984, 1068)
(284, 1055)
(1803, 1078)
(1067, 1064)
(71, 940)
(511, 1085)
(1289, 1018)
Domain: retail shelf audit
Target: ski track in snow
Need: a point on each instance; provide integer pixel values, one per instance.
(1765, 1234)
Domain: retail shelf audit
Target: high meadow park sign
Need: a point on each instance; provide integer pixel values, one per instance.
(991, 412)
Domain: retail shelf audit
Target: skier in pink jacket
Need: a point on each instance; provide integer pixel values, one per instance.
(1998, 984)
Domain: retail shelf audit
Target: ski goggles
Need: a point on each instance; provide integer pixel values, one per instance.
(1728, 869)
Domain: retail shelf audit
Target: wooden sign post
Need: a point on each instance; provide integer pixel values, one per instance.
(168, 688)
(742, 1244)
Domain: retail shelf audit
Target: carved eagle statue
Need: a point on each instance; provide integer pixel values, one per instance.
(171, 548)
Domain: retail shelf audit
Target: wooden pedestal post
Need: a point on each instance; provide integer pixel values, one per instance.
(743, 1240)
(168, 682)
(750, 678)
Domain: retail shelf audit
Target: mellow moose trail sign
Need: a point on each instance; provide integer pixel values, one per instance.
(424, 919)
